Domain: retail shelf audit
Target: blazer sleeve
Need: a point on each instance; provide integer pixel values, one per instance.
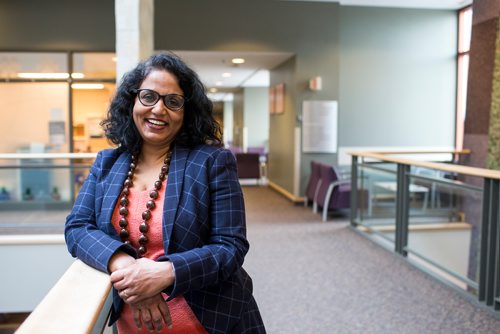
(227, 246)
(83, 237)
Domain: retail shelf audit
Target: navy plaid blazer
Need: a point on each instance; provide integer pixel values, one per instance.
(204, 233)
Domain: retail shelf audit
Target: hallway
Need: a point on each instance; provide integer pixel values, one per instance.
(315, 277)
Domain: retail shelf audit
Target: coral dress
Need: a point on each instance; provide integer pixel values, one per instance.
(183, 319)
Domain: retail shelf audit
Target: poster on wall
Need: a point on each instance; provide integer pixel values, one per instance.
(279, 103)
(319, 126)
(57, 133)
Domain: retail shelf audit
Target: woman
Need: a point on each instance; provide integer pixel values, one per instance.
(163, 213)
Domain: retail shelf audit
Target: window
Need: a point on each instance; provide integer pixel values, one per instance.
(464, 39)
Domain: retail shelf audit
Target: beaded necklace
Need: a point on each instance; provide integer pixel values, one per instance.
(150, 205)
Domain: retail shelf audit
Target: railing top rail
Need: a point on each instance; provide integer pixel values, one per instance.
(10, 156)
(80, 285)
(465, 170)
(463, 152)
(32, 239)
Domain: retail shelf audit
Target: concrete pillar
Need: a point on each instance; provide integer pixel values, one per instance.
(134, 33)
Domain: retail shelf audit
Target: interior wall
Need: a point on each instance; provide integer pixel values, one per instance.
(390, 69)
(397, 77)
(281, 130)
(256, 115)
(228, 123)
(238, 118)
(57, 25)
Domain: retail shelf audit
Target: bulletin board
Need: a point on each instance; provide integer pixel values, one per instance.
(319, 126)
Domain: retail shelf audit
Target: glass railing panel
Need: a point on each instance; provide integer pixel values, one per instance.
(37, 194)
(444, 222)
(376, 212)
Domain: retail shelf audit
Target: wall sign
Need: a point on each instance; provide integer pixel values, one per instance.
(319, 126)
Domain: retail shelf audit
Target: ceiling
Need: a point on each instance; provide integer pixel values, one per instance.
(213, 66)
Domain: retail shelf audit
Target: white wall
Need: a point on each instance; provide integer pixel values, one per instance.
(256, 115)
(228, 122)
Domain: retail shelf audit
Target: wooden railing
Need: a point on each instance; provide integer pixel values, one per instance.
(78, 304)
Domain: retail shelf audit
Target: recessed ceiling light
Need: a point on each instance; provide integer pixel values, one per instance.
(226, 75)
(213, 90)
(238, 60)
(218, 83)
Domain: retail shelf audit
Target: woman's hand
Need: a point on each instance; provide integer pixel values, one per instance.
(152, 312)
(141, 279)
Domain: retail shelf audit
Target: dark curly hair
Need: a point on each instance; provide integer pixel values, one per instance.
(199, 125)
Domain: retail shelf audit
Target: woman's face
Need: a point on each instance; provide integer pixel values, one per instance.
(157, 124)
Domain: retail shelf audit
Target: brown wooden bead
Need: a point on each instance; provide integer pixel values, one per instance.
(143, 239)
(142, 250)
(158, 185)
(143, 227)
(123, 211)
(161, 176)
(124, 201)
(146, 215)
(126, 191)
(164, 169)
(124, 233)
(153, 194)
(123, 222)
(128, 182)
(150, 204)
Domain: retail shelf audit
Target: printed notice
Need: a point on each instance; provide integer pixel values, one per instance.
(319, 126)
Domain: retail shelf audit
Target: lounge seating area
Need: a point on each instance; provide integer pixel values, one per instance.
(328, 189)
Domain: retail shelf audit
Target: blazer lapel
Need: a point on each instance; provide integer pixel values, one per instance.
(113, 186)
(173, 192)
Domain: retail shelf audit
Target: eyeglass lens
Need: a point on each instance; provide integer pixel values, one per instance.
(149, 98)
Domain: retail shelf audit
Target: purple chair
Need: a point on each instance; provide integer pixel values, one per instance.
(248, 165)
(313, 183)
(333, 192)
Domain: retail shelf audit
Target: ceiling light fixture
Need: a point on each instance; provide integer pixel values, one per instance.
(50, 75)
(226, 75)
(213, 90)
(218, 83)
(238, 61)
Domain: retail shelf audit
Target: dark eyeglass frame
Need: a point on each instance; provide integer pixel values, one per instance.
(159, 96)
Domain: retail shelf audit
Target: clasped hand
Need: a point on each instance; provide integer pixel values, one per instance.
(140, 284)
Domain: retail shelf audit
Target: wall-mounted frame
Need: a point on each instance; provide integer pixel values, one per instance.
(279, 102)
(277, 99)
(272, 100)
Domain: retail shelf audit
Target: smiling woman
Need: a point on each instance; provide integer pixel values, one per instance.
(163, 213)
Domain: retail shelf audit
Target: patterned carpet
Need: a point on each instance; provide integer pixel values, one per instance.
(315, 277)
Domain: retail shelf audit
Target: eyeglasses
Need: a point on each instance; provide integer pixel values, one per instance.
(149, 98)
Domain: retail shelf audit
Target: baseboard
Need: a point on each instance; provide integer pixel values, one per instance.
(286, 193)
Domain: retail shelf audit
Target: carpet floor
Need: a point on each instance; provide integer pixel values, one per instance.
(322, 277)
